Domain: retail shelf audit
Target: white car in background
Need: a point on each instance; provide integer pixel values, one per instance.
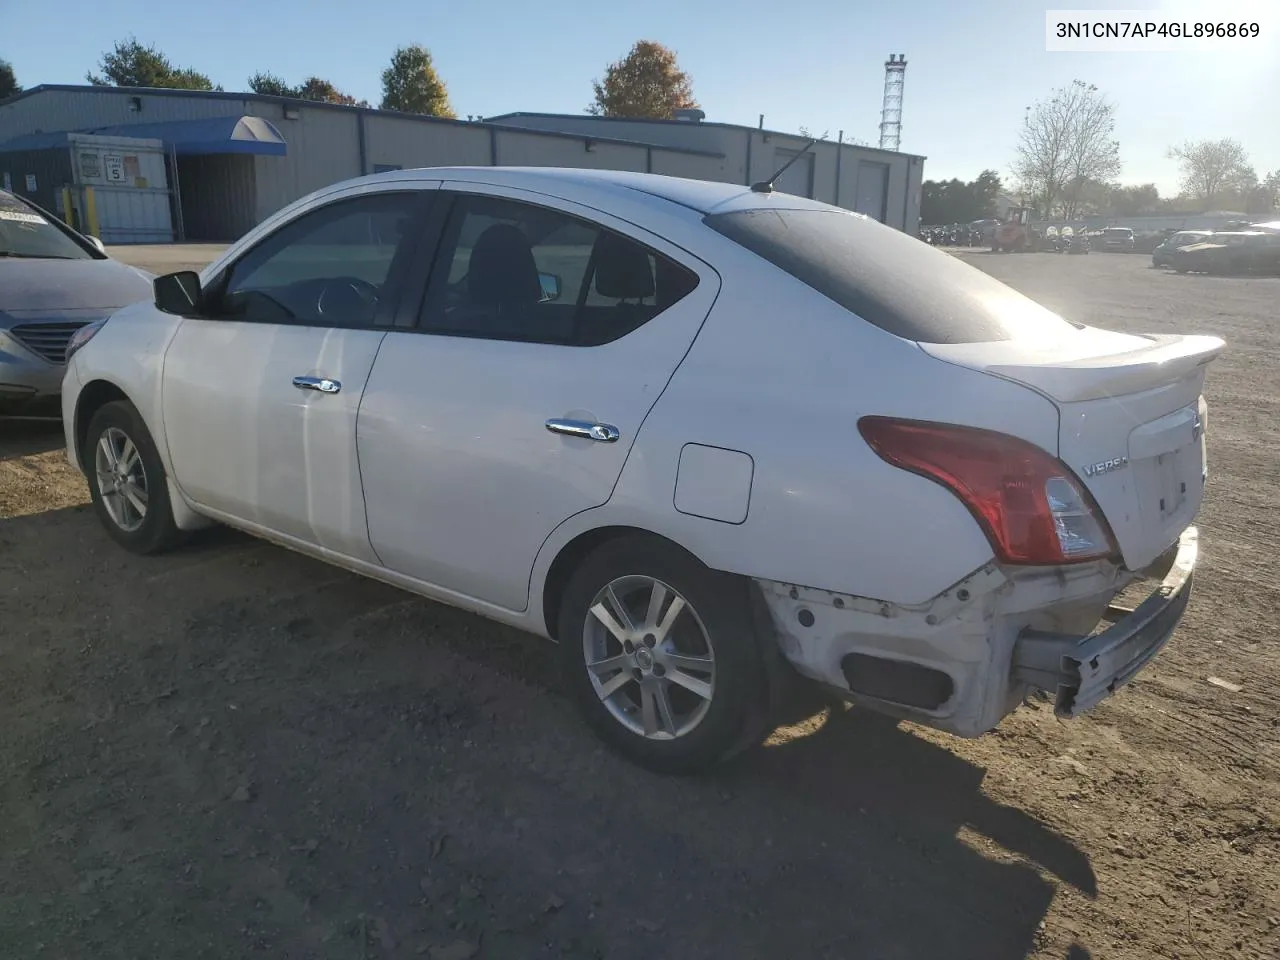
(698, 434)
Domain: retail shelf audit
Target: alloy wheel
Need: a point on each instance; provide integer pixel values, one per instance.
(649, 657)
(122, 479)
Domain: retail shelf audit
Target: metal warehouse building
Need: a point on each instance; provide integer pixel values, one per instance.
(192, 165)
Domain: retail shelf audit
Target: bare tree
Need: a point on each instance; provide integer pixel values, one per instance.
(1212, 168)
(1067, 143)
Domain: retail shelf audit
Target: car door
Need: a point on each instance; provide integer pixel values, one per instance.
(547, 333)
(260, 392)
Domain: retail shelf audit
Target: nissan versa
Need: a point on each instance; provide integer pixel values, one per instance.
(704, 437)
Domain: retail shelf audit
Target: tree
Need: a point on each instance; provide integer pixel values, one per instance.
(1135, 200)
(8, 80)
(1213, 168)
(314, 88)
(410, 84)
(1067, 141)
(646, 83)
(954, 201)
(986, 190)
(130, 64)
(271, 85)
(322, 91)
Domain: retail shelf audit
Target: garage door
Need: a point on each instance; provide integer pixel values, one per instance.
(798, 180)
(872, 194)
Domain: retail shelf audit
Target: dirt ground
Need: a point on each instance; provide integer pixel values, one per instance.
(232, 751)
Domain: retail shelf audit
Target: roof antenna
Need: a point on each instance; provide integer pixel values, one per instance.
(766, 186)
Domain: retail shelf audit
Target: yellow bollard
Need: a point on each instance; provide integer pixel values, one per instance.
(67, 214)
(91, 213)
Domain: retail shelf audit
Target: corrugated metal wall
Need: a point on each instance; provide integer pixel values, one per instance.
(51, 169)
(767, 152)
(395, 141)
(524, 149)
(690, 165)
(690, 136)
(323, 148)
(326, 145)
(79, 110)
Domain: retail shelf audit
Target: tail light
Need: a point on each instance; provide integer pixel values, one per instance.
(1029, 504)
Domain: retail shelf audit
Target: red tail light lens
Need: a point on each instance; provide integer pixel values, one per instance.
(1029, 504)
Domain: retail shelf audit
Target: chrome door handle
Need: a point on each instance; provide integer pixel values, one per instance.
(323, 384)
(599, 432)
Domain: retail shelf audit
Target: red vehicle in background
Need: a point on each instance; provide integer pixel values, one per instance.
(1016, 234)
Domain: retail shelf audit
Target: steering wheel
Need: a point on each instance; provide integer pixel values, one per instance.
(346, 297)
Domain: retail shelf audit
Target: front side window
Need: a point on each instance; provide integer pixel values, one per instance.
(27, 233)
(515, 271)
(330, 267)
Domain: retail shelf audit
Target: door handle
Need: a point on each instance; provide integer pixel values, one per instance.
(599, 432)
(323, 384)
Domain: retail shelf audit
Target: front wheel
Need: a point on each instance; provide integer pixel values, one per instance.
(127, 480)
(661, 655)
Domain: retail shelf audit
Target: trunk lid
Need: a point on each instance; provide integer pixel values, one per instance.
(1132, 421)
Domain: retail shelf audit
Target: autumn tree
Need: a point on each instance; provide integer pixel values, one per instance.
(1213, 168)
(647, 82)
(410, 84)
(130, 64)
(1067, 143)
(8, 80)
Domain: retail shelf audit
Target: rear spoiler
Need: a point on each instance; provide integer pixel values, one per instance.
(1166, 359)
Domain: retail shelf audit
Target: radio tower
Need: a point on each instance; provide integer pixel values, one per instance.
(895, 75)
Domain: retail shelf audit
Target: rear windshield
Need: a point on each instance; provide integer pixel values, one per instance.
(898, 283)
(1118, 232)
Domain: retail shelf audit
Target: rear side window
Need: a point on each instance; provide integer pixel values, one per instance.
(894, 281)
(516, 271)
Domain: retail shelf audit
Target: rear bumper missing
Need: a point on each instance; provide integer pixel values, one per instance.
(1083, 672)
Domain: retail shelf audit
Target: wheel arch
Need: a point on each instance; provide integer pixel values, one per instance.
(571, 555)
(93, 396)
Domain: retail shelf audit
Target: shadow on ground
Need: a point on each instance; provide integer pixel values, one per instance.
(233, 749)
(23, 438)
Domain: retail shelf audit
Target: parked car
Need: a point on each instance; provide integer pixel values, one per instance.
(52, 282)
(1162, 256)
(707, 438)
(1118, 240)
(1244, 251)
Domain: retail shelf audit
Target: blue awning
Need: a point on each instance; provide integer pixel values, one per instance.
(211, 135)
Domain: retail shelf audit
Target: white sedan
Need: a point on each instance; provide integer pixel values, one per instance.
(704, 437)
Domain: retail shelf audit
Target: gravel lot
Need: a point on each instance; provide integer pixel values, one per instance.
(233, 751)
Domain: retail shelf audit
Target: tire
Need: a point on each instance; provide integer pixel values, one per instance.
(694, 733)
(130, 496)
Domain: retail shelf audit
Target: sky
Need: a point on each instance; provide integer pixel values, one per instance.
(972, 67)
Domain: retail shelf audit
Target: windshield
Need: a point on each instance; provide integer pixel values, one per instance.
(26, 232)
(1117, 232)
(890, 279)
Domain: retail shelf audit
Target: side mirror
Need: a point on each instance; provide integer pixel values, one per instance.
(97, 244)
(178, 293)
(550, 284)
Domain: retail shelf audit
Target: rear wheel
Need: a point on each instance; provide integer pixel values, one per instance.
(661, 655)
(127, 480)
